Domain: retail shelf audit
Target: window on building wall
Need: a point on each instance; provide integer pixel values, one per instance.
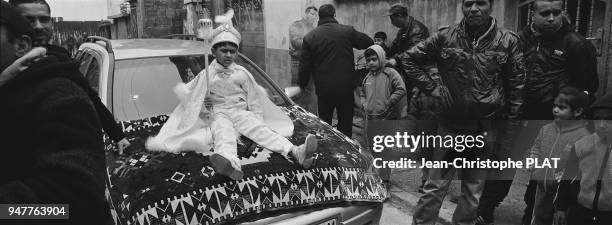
(524, 13)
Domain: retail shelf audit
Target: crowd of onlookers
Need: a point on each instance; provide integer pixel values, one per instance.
(469, 78)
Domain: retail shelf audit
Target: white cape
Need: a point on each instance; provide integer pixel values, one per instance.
(185, 130)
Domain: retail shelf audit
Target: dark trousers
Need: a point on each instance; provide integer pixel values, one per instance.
(512, 142)
(579, 215)
(343, 104)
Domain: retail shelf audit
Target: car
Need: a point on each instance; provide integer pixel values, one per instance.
(135, 78)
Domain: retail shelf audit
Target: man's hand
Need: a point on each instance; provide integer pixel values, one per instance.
(560, 218)
(21, 64)
(124, 143)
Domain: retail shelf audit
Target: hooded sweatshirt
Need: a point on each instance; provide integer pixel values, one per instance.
(382, 89)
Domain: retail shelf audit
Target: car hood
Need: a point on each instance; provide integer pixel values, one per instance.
(146, 186)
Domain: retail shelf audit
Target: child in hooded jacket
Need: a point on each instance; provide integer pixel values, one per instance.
(554, 141)
(382, 88)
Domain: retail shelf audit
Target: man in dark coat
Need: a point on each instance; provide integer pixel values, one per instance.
(555, 56)
(327, 54)
(482, 69)
(411, 32)
(51, 137)
(38, 13)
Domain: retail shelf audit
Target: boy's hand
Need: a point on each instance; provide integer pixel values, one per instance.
(124, 143)
(560, 218)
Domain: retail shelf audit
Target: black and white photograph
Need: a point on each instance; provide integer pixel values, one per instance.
(306, 112)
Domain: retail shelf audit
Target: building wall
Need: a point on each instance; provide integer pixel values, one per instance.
(113, 7)
(122, 27)
(366, 16)
(161, 17)
(249, 20)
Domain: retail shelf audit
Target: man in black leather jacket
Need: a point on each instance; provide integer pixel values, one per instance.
(555, 56)
(482, 70)
(411, 32)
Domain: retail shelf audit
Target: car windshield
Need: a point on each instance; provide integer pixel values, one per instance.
(143, 87)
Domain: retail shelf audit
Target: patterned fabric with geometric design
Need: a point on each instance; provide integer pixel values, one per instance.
(148, 187)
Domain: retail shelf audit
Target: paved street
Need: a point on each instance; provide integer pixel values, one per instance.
(394, 214)
(405, 196)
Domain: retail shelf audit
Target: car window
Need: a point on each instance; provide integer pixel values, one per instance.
(144, 87)
(84, 62)
(93, 74)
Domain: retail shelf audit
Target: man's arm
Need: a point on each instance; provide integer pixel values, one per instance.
(71, 167)
(360, 40)
(582, 67)
(306, 65)
(514, 75)
(107, 120)
(413, 61)
(419, 35)
(393, 48)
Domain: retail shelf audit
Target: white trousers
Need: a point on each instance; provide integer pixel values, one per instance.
(227, 124)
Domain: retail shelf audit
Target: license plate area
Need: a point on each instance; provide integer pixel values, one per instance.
(333, 220)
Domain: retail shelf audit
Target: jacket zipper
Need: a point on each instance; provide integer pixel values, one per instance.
(550, 155)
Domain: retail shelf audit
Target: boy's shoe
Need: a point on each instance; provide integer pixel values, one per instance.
(224, 167)
(303, 153)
